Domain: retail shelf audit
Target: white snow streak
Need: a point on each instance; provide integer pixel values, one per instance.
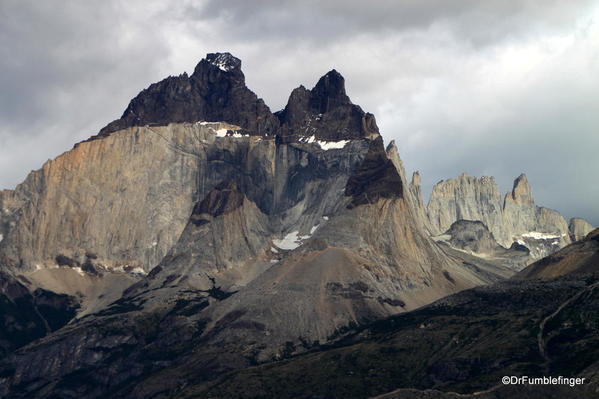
(540, 236)
(325, 145)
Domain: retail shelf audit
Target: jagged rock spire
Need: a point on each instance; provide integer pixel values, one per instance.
(216, 91)
(329, 93)
(325, 112)
(416, 179)
(521, 192)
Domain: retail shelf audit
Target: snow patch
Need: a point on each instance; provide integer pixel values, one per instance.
(325, 218)
(224, 133)
(274, 250)
(138, 270)
(78, 270)
(540, 236)
(325, 145)
(332, 145)
(293, 240)
(135, 270)
(222, 61)
(289, 242)
(1, 237)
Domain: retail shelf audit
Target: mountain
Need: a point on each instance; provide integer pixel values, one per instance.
(202, 231)
(474, 237)
(580, 257)
(579, 228)
(513, 218)
(458, 347)
(216, 91)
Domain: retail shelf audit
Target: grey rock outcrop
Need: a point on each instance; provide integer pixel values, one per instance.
(579, 228)
(415, 189)
(475, 238)
(516, 218)
(127, 212)
(9, 205)
(467, 198)
(541, 229)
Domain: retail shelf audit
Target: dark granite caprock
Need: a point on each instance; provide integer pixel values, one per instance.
(216, 91)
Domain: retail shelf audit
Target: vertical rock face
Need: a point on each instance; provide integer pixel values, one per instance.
(468, 198)
(521, 192)
(376, 177)
(515, 219)
(124, 199)
(579, 228)
(542, 230)
(9, 205)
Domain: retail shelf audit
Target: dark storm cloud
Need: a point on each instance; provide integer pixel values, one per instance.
(67, 68)
(477, 21)
(484, 87)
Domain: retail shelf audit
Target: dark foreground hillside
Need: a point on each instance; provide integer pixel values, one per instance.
(464, 343)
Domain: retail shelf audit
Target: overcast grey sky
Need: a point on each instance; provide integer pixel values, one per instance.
(494, 87)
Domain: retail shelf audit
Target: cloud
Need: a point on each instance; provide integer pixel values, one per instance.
(476, 21)
(493, 87)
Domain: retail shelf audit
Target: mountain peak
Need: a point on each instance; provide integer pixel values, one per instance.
(329, 92)
(224, 61)
(325, 112)
(416, 179)
(215, 92)
(219, 67)
(521, 178)
(521, 191)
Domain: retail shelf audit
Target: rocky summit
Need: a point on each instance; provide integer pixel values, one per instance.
(201, 238)
(514, 219)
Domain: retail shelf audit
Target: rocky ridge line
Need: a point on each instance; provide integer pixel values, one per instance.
(515, 218)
